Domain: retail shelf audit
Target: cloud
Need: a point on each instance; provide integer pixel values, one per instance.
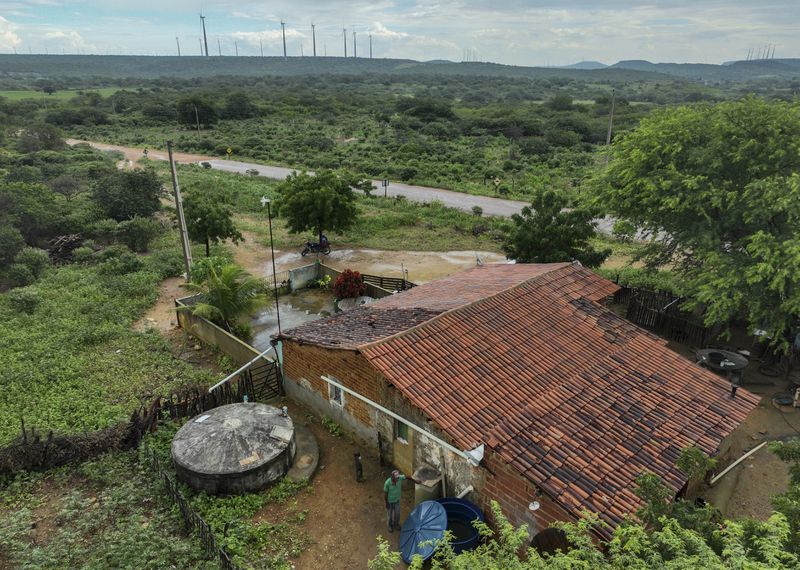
(9, 40)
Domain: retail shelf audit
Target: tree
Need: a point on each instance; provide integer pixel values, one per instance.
(137, 233)
(322, 202)
(66, 185)
(31, 208)
(11, 242)
(194, 109)
(209, 218)
(40, 137)
(718, 189)
(228, 293)
(547, 232)
(239, 106)
(125, 194)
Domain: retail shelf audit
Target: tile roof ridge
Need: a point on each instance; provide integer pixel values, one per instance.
(560, 266)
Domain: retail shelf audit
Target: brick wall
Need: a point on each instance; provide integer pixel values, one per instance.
(514, 494)
(303, 364)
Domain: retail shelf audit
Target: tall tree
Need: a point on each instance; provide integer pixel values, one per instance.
(208, 219)
(717, 188)
(548, 231)
(197, 109)
(128, 193)
(322, 202)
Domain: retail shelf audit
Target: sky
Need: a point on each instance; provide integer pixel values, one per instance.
(517, 32)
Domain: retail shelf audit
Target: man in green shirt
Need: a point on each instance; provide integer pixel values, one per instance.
(392, 489)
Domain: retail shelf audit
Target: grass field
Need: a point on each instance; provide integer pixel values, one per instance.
(57, 96)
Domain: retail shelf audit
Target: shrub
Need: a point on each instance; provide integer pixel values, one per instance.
(11, 242)
(35, 259)
(167, 263)
(477, 211)
(349, 284)
(83, 255)
(138, 232)
(104, 231)
(19, 275)
(24, 300)
(119, 260)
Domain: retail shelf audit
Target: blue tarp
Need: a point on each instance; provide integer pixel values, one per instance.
(426, 525)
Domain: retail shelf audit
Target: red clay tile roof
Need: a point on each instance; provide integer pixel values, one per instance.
(358, 326)
(577, 399)
(467, 286)
(410, 308)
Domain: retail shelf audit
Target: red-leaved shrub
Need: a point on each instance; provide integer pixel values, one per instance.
(349, 284)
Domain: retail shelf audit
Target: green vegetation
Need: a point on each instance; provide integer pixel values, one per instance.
(675, 534)
(332, 427)
(106, 513)
(549, 231)
(321, 202)
(227, 293)
(208, 217)
(239, 522)
(719, 188)
(71, 360)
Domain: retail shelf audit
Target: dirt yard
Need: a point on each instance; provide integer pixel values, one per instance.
(422, 266)
(343, 517)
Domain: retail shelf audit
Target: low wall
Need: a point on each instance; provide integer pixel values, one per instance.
(372, 290)
(208, 332)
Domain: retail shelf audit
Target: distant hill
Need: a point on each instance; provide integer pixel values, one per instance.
(586, 65)
(187, 67)
(730, 71)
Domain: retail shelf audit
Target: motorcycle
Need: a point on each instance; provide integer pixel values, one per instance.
(313, 247)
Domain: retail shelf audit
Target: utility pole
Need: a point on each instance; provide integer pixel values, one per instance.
(261, 45)
(610, 123)
(205, 38)
(187, 250)
(197, 118)
(355, 46)
(283, 30)
(314, 39)
(370, 46)
(178, 41)
(344, 39)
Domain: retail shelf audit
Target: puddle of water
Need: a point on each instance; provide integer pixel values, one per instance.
(295, 308)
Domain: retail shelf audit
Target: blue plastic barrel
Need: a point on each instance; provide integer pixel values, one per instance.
(423, 528)
(460, 515)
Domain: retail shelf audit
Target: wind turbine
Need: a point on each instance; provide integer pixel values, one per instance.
(205, 39)
(283, 31)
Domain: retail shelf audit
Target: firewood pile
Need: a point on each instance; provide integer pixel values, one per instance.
(61, 247)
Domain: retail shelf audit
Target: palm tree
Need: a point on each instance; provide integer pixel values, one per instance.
(228, 292)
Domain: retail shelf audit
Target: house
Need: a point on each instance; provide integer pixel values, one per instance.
(522, 366)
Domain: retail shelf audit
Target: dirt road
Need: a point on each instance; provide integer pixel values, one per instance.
(458, 200)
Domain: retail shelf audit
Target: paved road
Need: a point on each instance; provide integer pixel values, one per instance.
(459, 200)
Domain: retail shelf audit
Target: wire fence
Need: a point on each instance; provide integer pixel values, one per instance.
(193, 522)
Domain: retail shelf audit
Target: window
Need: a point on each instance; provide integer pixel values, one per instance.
(401, 431)
(335, 395)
